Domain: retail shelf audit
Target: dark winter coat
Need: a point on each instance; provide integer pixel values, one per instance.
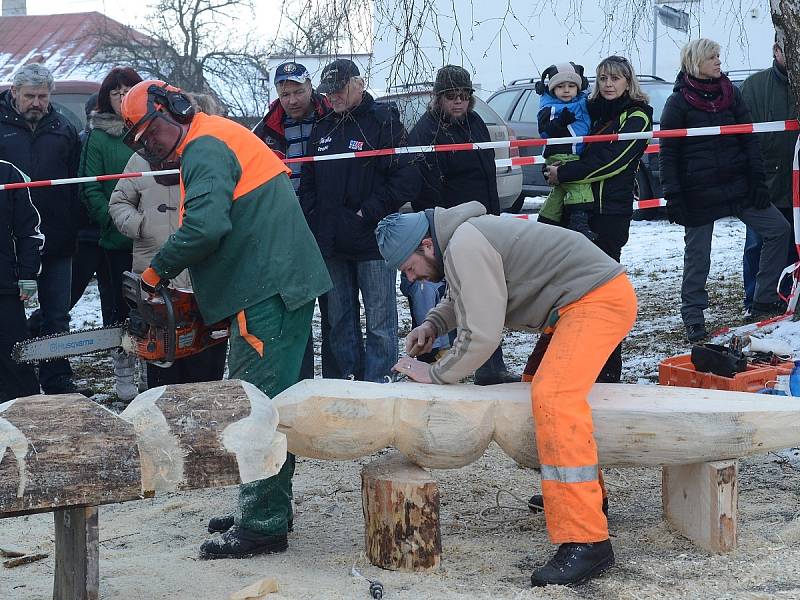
(710, 176)
(21, 241)
(611, 166)
(270, 129)
(104, 153)
(51, 151)
(769, 98)
(452, 178)
(332, 192)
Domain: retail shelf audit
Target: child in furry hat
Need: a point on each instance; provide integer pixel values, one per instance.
(563, 113)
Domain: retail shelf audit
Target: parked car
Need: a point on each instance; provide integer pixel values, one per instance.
(69, 98)
(412, 101)
(518, 104)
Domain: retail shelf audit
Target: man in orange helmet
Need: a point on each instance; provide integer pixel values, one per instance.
(252, 259)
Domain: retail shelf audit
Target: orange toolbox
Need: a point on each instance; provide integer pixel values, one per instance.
(679, 370)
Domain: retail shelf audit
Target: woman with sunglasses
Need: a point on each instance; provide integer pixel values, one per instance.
(617, 104)
(450, 179)
(104, 153)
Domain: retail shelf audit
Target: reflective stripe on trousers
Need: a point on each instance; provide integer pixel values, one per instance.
(586, 333)
(569, 474)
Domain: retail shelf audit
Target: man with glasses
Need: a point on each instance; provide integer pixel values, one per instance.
(450, 179)
(252, 259)
(343, 201)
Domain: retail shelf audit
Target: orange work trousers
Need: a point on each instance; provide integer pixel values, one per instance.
(586, 333)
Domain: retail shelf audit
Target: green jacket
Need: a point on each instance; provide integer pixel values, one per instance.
(768, 97)
(104, 154)
(243, 235)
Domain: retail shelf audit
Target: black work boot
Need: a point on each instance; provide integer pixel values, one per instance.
(536, 504)
(503, 376)
(238, 542)
(574, 564)
(765, 310)
(696, 332)
(222, 523)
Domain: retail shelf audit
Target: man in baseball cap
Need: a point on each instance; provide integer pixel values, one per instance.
(291, 71)
(336, 75)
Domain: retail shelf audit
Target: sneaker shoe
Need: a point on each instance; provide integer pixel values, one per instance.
(238, 542)
(696, 332)
(574, 564)
(765, 310)
(222, 523)
(496, 378)
(536, 504)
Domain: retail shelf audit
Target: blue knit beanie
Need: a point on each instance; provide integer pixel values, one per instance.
(399, 235)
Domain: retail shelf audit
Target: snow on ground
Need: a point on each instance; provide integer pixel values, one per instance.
(148, 549)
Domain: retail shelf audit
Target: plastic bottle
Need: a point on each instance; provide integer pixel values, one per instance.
(794, 379)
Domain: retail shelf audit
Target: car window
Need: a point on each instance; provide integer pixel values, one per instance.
(527, 108)
(411, 107)
(502, 102)
(658, 97)
(485, 112)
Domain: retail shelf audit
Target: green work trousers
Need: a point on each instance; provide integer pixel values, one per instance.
(565, 193)
(266, 349)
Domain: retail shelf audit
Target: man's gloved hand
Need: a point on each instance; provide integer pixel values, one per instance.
(151, 281)
(760, 197)
(27, 290)
(565, 117)
(676, 210)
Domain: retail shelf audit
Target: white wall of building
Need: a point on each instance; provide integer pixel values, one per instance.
(498, 47)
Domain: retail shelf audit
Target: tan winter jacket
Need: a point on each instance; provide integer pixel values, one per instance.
(146, 212)
(506, 272)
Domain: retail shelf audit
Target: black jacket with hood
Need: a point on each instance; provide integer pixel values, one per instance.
(710, 176)
(21, 242)
(611, 166)
(51, 151)
(452, 178)
(332, 192)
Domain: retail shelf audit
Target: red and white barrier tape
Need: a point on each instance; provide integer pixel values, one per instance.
(745, 128)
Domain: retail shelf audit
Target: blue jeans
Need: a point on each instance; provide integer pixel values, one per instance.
(55, 285)
(329, 367)
(374, 360)
(423, 296)
(750, 259)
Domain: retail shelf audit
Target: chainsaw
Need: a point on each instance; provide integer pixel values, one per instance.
(161, 328)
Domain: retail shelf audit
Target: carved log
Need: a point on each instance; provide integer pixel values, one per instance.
(401, 515)
(450, 426)
(62, 451)
(200, 435)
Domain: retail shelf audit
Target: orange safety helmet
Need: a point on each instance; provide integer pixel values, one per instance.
(152, 96)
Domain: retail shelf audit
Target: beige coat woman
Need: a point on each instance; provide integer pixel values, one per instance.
(148, 213)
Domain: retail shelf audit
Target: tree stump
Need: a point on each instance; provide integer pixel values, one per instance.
(401, 515)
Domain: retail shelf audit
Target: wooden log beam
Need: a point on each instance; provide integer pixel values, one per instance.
(62, 451)
(77, 570)
(450, 426)
(401, 515)
(700, 501)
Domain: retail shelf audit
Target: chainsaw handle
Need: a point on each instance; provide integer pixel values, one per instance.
(172, 336)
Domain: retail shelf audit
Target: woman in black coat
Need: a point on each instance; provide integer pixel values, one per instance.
(710, 177)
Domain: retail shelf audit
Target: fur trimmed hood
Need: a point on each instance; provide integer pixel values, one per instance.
(111, 123)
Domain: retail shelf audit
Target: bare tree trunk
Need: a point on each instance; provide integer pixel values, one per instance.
(786, 17)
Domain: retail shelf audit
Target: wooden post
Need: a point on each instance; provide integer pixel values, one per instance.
(77, 569)
(700, 500)
(401, 515)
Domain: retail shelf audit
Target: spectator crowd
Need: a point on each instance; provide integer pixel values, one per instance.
(259, 242)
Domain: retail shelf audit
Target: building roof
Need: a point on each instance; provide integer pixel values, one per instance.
(63, 43)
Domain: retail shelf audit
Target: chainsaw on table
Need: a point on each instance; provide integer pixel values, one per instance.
(161, 328)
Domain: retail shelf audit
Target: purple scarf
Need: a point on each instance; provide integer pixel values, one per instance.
(708, 95)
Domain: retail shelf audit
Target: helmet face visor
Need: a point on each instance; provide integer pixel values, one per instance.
(155, 137)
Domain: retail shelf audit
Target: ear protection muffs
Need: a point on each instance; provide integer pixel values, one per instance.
(541, 85)
(177, 104)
